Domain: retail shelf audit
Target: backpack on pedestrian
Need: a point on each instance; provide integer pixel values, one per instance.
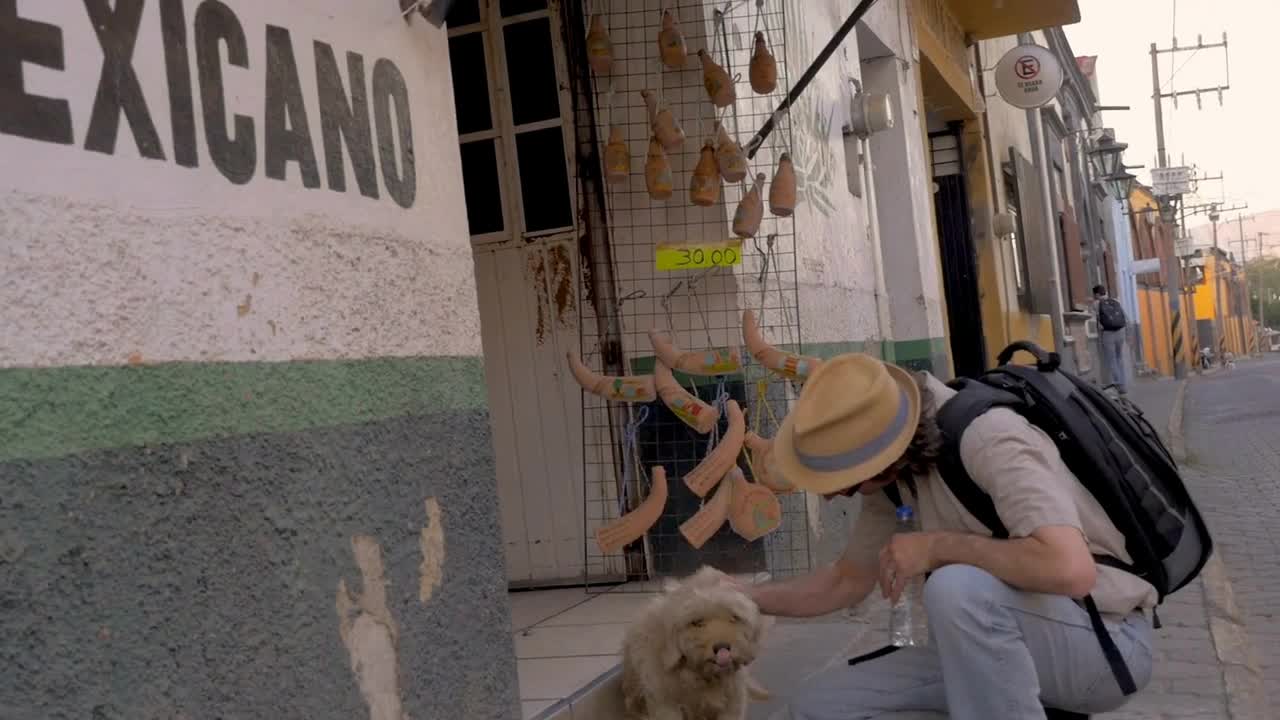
(1113, 451)
(1111, 315)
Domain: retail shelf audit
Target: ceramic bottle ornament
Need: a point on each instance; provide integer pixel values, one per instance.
(657, 172)
(746, 219)
(671, 46)
(663, 122)
(617, 158)
(704, 186)
(599, 47)
(717, 82)
(763, 71)
(730, 159)
(782, 191)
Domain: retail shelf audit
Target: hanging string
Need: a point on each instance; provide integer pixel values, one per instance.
(631, 456)
(721, 404)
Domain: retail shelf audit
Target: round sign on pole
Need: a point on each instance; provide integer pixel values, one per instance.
(1028, 76)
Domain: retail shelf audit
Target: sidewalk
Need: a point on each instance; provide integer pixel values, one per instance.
(1188, 681)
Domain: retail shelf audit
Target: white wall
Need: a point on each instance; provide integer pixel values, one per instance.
(110, 256)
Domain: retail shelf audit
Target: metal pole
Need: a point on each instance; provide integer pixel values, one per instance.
(1155, 97)
(1173, 287)
(1217, 290)
(1241, 290)
(1035, 122)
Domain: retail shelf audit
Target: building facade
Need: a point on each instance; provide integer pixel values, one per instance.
(291, 338)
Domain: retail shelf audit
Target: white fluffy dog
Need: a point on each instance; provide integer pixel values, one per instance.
(686, 657)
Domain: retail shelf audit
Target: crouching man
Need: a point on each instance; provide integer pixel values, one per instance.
(1008, 634)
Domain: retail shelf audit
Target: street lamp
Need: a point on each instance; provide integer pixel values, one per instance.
(1106, 159)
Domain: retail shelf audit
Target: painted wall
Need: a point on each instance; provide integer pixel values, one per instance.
(245, 458)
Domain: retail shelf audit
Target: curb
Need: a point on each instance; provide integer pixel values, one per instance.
(1241, 669)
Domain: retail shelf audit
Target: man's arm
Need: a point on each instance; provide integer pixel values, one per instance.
(839, 585)
(1053, 559)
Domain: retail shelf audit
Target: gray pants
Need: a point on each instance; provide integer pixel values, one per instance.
(1113, 357)
(1003, 654)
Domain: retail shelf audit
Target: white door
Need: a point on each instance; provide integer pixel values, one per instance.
(516, 132)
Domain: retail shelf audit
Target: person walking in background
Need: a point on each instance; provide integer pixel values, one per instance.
(1111, 328)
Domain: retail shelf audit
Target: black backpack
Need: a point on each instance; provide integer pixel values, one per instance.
(1112, 450)
(1111, 314)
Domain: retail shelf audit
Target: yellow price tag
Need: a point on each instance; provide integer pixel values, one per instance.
(695, 256)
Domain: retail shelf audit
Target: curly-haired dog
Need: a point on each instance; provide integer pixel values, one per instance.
(686, 657)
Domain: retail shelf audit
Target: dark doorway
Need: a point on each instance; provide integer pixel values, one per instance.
(959, 259)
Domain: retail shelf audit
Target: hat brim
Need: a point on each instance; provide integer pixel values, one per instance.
(824, 483)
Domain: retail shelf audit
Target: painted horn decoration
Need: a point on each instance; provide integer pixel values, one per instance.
(761, 451)
(618, 388)
(617, 157)
(671, 46)
(750, 211)
(600, 47)
(691, 410)
(664, 123)
(763, 71)
(704, 186)
(754, 511)
(707, 473)
(782, 191)
(657, 172)
(709, 518)
(717, 82)
(720, 361)
(632, 526)
(730, 158)
(780, 362)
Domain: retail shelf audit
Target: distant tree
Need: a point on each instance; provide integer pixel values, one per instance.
(1264, 274)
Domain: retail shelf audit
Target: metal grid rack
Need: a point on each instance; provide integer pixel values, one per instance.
(702, 309)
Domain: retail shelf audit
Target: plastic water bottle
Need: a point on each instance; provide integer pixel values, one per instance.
(907, 622)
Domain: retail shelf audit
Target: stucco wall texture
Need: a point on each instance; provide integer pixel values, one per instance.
(201, 580)
(245, 465)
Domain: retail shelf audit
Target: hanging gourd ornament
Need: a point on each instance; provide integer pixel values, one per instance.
(632, 526)
(657, 172)
(746, 219)
(617, 158)
(671, 46)
(730, 159)
(663, 122)
(599, 47)
(704, 186)
(782, 191)
(717, 82)
(763, 71)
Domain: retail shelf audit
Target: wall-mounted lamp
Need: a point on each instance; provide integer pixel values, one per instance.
(434, 11)
(1003, 224)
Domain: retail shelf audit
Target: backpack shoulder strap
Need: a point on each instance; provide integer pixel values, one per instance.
(972, 399)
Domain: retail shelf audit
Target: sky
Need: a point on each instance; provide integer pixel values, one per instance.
(1239, 140)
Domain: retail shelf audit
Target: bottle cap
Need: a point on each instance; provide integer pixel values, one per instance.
(905, 513)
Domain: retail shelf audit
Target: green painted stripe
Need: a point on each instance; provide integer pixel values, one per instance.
(50, 412)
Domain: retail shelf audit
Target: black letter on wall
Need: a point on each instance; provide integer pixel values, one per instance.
(288, 134)
(388, 88)
(343, 120)
(177, 61)
(30, 116)
(234, 155)
(118, 87)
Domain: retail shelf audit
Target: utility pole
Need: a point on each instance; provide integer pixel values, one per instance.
(1243, 302)
(1217, 290)
(1170, 201)
(1262, 284)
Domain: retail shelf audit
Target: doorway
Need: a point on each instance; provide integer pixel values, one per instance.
(959, 257)
(516, 136)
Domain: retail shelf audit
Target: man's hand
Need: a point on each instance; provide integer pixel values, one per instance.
(904, 557)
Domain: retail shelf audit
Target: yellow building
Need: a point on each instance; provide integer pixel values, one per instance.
(1213, 270)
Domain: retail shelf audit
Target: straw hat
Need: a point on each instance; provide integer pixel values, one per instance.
(856, 415)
